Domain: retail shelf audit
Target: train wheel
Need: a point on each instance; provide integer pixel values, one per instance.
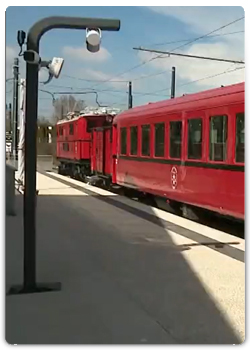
(60, 170)
(189, 213)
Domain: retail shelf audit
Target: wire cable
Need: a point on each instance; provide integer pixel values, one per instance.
(176, 48)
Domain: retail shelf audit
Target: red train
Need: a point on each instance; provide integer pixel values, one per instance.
(188, 150)
(74, 141)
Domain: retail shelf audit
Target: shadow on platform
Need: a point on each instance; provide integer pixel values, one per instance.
(113, 291)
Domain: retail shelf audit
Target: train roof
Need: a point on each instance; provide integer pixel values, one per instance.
(89, 112)
(140, 111)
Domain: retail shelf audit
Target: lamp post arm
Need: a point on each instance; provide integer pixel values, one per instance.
(48, 23)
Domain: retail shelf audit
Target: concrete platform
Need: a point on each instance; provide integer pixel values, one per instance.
(125, 278)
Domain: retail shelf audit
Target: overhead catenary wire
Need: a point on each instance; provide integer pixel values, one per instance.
(153, 93)
(80, 93)
(92, 80)
(88, 90)
(155, 44)
(185, 40)
(189, 56)
(199, 38)
(212, 76)
(174, 49)
(206, 35)
(156, 93)
(200, 79)
(188, 41)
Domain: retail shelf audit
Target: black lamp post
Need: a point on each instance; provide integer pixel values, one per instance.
(30, 284)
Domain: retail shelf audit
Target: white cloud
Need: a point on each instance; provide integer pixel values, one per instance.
(10, 55)
(200, 20)
(82, 54)
(43, 75)
(190, 69)
(119, 83)
(204, 18)
(101, 76)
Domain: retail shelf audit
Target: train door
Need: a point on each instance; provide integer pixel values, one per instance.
(108, 151)
(114, 153)
(99, 151)
(93, 151)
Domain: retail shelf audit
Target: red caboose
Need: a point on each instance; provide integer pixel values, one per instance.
(74, 142)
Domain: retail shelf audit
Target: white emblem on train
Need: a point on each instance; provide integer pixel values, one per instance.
(174, 177)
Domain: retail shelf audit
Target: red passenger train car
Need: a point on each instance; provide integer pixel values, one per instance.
(188, 150)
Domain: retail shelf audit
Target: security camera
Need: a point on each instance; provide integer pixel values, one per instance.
(31, 57)
(55, 66)
(93, 39)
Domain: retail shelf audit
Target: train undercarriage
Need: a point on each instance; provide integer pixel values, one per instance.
(74, 169)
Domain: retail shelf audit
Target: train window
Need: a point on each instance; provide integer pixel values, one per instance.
(133, 140)
(66, 147)
(71, 129)
(145, 140)
(111, 135)
(159, 139)
(175, 139)
(195, 138)
(90, 124)
(218, 138)
(123, 141)
(240, 138)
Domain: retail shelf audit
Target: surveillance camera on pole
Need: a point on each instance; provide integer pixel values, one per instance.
(93, 39)
(55, 66)
(32, 57)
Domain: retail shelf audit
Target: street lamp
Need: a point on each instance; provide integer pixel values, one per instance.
(30, 284)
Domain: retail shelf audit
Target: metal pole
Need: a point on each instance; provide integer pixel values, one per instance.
(9, 119)
(15, 107)
(21, 142)
(35, 33)
(173, 83)
(130, 97)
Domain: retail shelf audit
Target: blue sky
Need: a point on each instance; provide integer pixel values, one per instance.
(140, 26)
